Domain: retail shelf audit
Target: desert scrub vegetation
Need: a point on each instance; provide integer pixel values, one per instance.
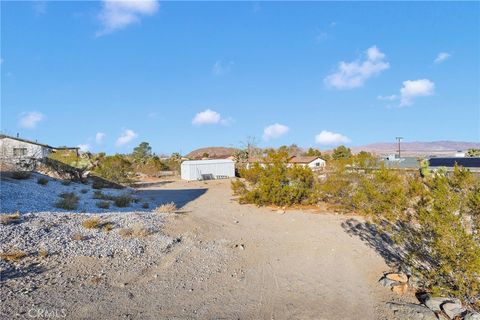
(166, 208)
(97, 223)
(433, 218)
(122, 201)
(10, 218)
(13, 255)
(103, 204)
(68, 201)
(42, 181)
(136, 231)
(21, 175)
(275, 183)
(115, 168)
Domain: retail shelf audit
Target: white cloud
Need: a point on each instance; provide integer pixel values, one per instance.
(118, 14)
(442, 56)
(29, 120)
(354, 74)
(415, 88)
(210, 117)
(328, 138)
(220, 68)
(99, 137)
(84, 147)
(127, 136)
(274, 131)
(388, 98)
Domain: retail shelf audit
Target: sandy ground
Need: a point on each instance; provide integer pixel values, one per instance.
(232, 262)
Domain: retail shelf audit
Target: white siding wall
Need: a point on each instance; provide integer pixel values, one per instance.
(207, 169)
(33, 151)
(317, 164)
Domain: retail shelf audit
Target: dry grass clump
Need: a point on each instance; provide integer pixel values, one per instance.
(122, 201)
(13, 255)
(43, 253)
(69, 201)
(136, 231)
(10, 218)
(21, 175)
(97, 223)
(42, 181)
(92, 223)
(166, 208)
(78, 237)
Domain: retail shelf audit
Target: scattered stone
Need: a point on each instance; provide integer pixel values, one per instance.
(400, 289)
(435, 303)
(412, 311)
(399, 277)
(384, 281)
(453, 309)
(472, 316)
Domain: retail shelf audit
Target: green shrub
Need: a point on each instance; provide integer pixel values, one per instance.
(42, 181)
(21, 175)
(97, 194)
(68, 201)
(122, 201)
(114, 168)
(103, 204)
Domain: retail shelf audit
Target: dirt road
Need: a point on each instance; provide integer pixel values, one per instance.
(277, 266)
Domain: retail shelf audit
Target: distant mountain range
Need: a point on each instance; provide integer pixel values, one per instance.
(212, 153)
(417, 148)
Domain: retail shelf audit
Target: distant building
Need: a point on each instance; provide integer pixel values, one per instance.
(192, 170)
(472, 163)
(15, 148)
(460, 154)
(312, 162)
(394, 162)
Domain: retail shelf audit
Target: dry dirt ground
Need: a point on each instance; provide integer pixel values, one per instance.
(232, 262)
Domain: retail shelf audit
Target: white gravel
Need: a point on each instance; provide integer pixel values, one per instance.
(28, 196)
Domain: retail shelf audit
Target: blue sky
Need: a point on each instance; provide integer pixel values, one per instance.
(182, 75)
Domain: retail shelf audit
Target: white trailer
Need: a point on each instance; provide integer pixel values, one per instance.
(207, 169)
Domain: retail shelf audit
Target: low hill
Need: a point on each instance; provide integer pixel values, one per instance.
(212, 152)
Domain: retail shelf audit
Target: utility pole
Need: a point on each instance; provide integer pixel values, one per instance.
(399, 139)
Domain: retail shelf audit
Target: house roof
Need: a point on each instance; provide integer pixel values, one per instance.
(3, 136)
(473, 162)
(303, 159)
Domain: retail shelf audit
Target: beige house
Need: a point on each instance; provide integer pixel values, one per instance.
(15, 148)
(314, 163)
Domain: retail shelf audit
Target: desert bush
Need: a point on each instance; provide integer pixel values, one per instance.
(145, 205)
(97, 194)
(136, 231)
(122, 201)
(21, 175)
(166, 208)
(42, 181)
(276, 183)
(68, 201)
(78, 237)
(43, 253)
(10, 218)
(114, 168)
(103, 204)
(13, 255)
(92, 223)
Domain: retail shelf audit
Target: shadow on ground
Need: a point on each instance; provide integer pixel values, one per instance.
(180, 197)
(11, 272)
(375, 239)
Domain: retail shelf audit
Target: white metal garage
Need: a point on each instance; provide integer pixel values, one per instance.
(207, 169)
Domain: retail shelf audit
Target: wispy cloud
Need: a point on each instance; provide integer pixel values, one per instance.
(274, 131)
(328, 138)
(126, 136)
(415, 88)
(99, 137)
(324, 33)
(220, 68)
(354, 74)
(388, 98)
(30, 120)
(118, 14)
(442, 57)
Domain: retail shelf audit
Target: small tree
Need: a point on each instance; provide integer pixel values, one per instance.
(473, 153)
(142, 152)
(341, 152)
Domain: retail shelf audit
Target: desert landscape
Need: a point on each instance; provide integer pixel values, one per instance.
(211, 258)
